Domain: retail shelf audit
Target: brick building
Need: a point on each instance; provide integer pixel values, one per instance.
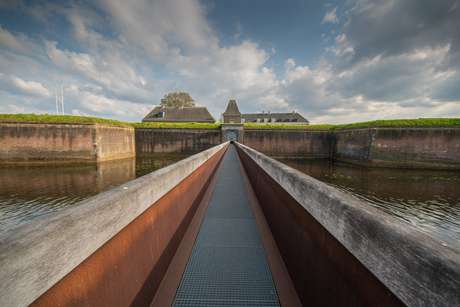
(233, 115)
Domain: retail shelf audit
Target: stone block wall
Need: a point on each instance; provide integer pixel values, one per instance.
(64, 142)
(154, 141)
(290, 143)
(414, 147)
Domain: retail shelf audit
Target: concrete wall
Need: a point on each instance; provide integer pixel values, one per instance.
(114, 142)
(110, 250)
(151, 141)
(289, 143)
(339, 251)
(64, 142)
(414, 147)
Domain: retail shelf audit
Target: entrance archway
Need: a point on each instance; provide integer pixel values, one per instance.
(231, 136)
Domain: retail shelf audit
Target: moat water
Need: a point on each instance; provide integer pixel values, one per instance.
(427, 199)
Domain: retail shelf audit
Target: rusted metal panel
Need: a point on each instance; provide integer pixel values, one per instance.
(128, 269)
(323, 271)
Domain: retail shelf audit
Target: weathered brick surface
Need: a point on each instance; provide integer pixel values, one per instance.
(64, 142)
(420, 147)
(285, 143)
(150, 141)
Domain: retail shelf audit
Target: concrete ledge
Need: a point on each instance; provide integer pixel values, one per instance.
(419, 269)
(36, 256)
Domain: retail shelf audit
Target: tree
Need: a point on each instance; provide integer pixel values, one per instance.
(178, 99)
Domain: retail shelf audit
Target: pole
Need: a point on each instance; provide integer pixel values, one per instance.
(55, 91)
(62, 99)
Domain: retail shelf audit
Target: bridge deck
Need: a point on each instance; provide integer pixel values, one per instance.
(228, 265)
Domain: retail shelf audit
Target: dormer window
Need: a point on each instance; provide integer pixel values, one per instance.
(161, 114)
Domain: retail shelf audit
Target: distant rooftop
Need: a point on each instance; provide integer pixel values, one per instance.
(179, 114)
(232, 109)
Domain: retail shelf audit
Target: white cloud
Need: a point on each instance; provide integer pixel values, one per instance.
(331, 17)
(239, 30)
(16, 85)
(16, 109)
(19, 43)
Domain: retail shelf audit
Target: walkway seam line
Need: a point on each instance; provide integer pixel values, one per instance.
(170, 284)
(286, 292)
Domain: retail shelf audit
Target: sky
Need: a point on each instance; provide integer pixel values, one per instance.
(332, 61)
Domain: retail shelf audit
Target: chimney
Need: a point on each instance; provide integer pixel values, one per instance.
(180, 107)
(263, 112)
(268, 112)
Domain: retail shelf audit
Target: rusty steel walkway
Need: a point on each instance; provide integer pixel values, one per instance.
(228, 265)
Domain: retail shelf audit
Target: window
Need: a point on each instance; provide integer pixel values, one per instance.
(265, 120)
(258, 120)
(161, 114)
(286, 120)
(279, 120)
(232, 121)
(242, 120)
(273, 120)
(294, 120)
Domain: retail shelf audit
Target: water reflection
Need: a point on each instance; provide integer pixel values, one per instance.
(427, 199)
(30, 191)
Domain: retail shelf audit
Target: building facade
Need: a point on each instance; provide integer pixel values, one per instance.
(180, 114)
(233, 115)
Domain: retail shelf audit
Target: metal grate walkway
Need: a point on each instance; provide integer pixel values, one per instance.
(228, 265)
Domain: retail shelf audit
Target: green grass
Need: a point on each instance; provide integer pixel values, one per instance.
(285, 127)
(370, 124)
(84, 119)
(176, 125)
(59, 118)
(403, 123)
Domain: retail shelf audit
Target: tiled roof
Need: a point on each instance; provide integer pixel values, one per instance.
(187, 114)
(232, 109)
(279, 117)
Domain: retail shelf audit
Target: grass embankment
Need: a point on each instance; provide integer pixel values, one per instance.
(370, 124)
(84, 119)
(175, 125)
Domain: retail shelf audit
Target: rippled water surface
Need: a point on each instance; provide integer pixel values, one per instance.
(31, 191)
(428, 199)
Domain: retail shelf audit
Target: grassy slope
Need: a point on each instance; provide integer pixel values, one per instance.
(375, 123)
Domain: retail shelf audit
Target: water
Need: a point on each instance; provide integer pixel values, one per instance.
(427, 199)
(31, 191)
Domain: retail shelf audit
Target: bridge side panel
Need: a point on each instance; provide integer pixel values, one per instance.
(323, 272)
(128, 269)
(112, 249)
(340, 251)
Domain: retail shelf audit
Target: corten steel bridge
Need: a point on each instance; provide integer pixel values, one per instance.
(226, 227)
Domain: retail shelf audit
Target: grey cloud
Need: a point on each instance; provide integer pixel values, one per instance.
(390, 28)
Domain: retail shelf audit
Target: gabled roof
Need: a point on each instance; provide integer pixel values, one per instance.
(232, 109)
(187, 114)
(277, 116)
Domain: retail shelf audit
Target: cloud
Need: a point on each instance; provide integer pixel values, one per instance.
(391, 28)
(16, 109)
(19, 43)
(331, 17)
(239, 30)
(15, 85)
(155, 28)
